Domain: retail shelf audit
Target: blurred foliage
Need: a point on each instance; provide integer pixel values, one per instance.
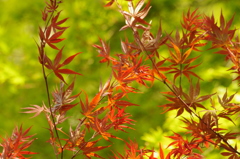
(21, 82)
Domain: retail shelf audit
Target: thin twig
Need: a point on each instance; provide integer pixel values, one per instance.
(47, 89)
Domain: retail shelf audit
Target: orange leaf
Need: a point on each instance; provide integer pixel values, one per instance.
(68, 71)
(95, 101)
(109, 3)
(161, 152)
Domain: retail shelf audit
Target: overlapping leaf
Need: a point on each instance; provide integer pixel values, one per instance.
(104, 51)
(193, 99)
(16, 145)
(88, 109)
(101, 126)
(183, 148)
(219, 35)
(63, 99)
(89, 148)
(136, 15)
(119, 119)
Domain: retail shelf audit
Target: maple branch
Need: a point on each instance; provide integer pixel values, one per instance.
(43, 56)
(200, 119)
(50, 107)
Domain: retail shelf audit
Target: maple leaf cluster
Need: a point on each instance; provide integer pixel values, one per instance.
(50, 35)
(15, 146)
(140, 61)
(198, 29)
(108, 101)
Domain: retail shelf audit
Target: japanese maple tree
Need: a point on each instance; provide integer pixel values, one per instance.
(139, 62)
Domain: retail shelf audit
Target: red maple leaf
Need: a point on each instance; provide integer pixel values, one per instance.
(55, 66)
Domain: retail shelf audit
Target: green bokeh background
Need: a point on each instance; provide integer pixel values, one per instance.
(21, 82)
